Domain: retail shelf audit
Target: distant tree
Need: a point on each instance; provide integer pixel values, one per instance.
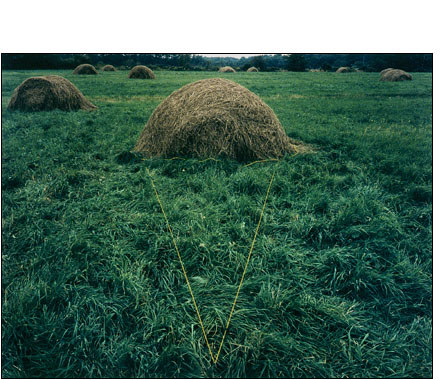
(295, 62)
(326, 67)
(258, 62)
(183, 60)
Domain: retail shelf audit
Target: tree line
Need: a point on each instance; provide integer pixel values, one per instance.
(268, 62)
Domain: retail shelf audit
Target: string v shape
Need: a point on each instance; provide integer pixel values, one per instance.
(214, 359)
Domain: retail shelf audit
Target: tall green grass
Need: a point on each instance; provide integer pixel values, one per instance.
(340, 281)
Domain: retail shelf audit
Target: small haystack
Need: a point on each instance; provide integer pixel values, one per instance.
(211, 118)
(226, 69)
(48, 93)
(108, 68)
(85, 69)
(344, 69)
(141, 72)
(385, 70)
(395, 75)
(252, 70)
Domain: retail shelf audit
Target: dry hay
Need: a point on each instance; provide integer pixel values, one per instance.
(344, 70)
(395, 75)
(108, 68)
(252, 70)
(85, 69)
(47, 93)
(141, 72)
(226, 69)
(214, 118)
(385, 70)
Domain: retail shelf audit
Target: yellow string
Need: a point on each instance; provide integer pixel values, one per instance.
(181, 263)
(245, 268)
(244, 271)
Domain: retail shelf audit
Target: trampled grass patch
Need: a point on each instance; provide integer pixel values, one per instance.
(340, 280)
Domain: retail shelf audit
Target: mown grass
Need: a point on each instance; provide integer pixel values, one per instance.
(340, 281)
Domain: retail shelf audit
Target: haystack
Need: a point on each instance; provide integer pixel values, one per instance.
(48, 93)
(252, 70)
(211, 118)
(395, 75)
(85, 69)
(226, 69)
(385, 70)
(344, 69)
(108, 68)
(141, 72)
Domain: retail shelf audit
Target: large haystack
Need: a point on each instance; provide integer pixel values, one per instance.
(344, 70)
(385, 70)
(252, 70)
(48, 93)
(85, 69)
(211, 118)
(226, 69)
(141, 72)
(395, 75)
(108, 68)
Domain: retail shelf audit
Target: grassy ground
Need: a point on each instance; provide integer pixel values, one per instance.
(340, 282)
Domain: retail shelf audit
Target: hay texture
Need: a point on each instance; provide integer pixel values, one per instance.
(252, 70)
(141, 72)
(395, 75)
(85, 69)
(48, 93)
(214, 118)
(108, 68)
(226, 69)
(385, 70)
(344, 70)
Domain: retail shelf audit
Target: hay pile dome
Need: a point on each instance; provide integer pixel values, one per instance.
(226, 69)
(47, 93)
(252, 70)
(141, 72)
(385, 70)
(344, 70)
(214, 118)
(85, 69)
(108, 68)
(395, 75)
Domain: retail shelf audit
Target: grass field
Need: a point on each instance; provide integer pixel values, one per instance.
(340, 280)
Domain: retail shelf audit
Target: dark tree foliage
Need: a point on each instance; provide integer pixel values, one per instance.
(268, 62)
(258, 62)
(296, 62)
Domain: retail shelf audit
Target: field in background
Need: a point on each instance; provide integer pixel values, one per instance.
(340, 282)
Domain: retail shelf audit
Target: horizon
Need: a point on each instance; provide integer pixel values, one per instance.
(233, 55)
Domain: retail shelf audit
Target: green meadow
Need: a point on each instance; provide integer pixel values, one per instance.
(339, 283)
